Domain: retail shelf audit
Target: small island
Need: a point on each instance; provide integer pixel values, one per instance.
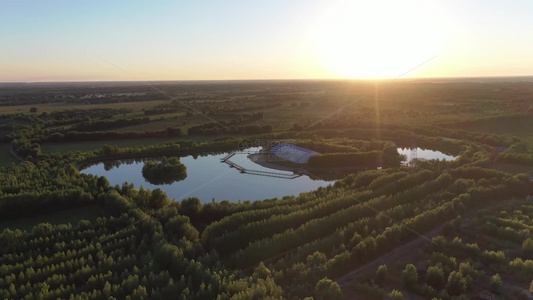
(165, 171)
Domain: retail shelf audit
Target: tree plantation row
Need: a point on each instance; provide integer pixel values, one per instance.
(381, 229)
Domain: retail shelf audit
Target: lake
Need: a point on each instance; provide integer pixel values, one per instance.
(425, 154)
(208, 178)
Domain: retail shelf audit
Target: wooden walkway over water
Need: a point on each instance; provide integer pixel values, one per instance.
(226, 159)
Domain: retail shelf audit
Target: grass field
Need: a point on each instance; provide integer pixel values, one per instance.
(6, 158)
(73, 216)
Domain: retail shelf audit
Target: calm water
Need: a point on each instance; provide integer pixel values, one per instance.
(425, 154)
(208, 178)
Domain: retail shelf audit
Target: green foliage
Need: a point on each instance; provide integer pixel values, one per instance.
(129, 256)
(496, 283)
(395, 295)
(146, 246)
(381, 273)
(190, 206)
(166, 171)
(158, 199)
(332, 160)
(527, 245)
(410, 276)
(326, 289)
(456, 284)
(435, 277)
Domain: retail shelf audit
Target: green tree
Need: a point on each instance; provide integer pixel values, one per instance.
(409, 276)
(261, 271)
(435, 277)
(496, 283)
(381, 273)
(395, 295)
(527, 245)
(107, 289)
(466, 269)
(456, 284)
(327, 289)
(190, 206)
(114, 203)
(158, 199)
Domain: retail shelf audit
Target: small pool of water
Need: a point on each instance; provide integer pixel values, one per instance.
(208, 178)
(424, 153)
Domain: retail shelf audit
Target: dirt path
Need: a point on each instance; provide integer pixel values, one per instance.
(389, 258)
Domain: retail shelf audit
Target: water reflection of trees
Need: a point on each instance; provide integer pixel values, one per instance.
(115, 163)
(111, 164)
(165, 180)
(166, 171)
(315, 175)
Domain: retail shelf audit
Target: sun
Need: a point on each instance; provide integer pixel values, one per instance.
(378, 39)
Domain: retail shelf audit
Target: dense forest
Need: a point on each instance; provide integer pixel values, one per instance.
(471, 216)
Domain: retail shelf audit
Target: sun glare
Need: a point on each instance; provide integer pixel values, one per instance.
(378, 39)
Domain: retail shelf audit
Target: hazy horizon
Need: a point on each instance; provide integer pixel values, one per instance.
(61, 41)
(450, 78)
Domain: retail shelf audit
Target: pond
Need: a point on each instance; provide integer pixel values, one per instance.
(424, 154)
(208, 178)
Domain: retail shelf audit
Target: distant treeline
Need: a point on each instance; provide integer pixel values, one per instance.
(495, 140)
(371, 158)
(516, 158)
(167, 149)
(216, 129)
(159, 111)
(387, 157)
(369, 139)
(104, 125)
(82, 114)
(76, 136)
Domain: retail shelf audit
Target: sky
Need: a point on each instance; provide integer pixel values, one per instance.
(274, 39)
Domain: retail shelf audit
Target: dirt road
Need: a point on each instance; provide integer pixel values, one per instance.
(389, 258)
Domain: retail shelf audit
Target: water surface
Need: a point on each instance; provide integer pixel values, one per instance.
(424, 154)
(208, 178)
